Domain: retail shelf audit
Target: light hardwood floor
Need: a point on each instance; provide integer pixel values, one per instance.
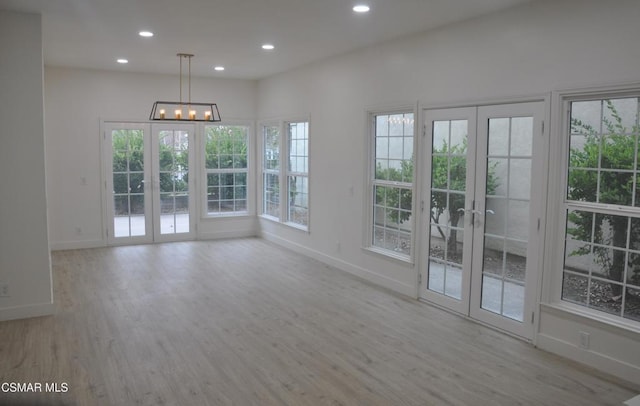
(245, 322)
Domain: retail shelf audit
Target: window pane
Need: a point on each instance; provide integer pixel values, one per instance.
(616, 188)
(620, 115)
(519, 178)
(585, 151)
(271, 148)
(585, 117)
(582, 185)
(458, 141)
(136, 182)
(574, 288)
(611, 230)
(499, 136)
(271, 193)
(120, 183)
(632, 304)
(120, 161)
(441, 135)
(618, 151)
(521, 136)
(633, 269)
(605, 296)
(166, 182)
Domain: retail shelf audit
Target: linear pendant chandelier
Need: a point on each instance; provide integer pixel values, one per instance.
(184, 111)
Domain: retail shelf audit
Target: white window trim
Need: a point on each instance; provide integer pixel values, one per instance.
(250, 192)
(557, 202)
(283, 172)
(370, 162)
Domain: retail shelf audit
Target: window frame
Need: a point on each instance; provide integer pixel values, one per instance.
(283, 172)
(558, 199)
(290, 173)
(372, 183)
(264, 171)
(248, 171)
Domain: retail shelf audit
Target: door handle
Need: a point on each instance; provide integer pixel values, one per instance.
(479, 212)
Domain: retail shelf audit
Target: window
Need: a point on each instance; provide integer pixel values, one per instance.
(602, 206)
(297, 173)
(392, 183)
(226, 152)
(285, 173)
(271, 171)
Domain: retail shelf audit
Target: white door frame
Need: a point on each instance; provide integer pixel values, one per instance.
(151, 182)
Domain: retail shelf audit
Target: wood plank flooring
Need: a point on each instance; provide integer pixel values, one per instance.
(244, 322)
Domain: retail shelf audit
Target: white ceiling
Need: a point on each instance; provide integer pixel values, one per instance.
(93, 33)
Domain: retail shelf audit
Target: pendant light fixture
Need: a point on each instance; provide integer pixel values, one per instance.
(184, 111)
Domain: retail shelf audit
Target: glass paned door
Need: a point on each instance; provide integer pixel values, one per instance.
(128, 201)
(450, 131)
(173, 207)
(506, 235)
(147, 184)
(483, 250)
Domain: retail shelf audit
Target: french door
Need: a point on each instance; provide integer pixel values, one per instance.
(148, 182)
(483, 224)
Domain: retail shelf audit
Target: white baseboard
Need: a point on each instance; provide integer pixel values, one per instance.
(407, 290)
(227, 234)
(76, 245)
(83, 244)
(25, 312)
(602, 362)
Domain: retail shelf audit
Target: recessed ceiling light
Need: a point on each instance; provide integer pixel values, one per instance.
(146, 34)
(268, 47)
(219, 68)
(361, 8)
(122, 60)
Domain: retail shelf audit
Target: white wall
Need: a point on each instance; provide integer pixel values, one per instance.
(76, 100)
(527, 51)
(24, 249)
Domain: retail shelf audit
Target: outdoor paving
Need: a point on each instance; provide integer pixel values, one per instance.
(449, 282)
(169, 224)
